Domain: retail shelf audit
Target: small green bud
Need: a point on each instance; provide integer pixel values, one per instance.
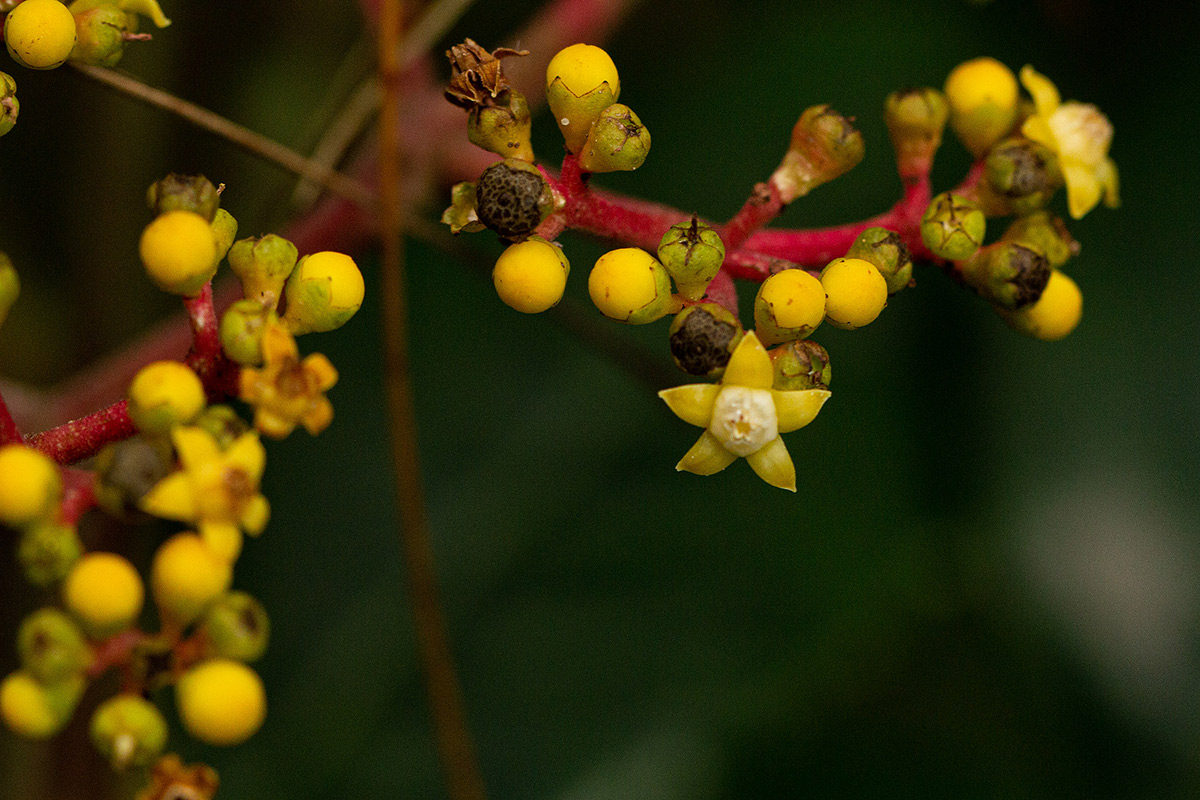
(1008, 274)
(100, 36)
(1046, 233)
(703, 337)
(194, 193)
(512, 198)
(824, 146)
(462, 214)
(323, 292)
(953, 227)
(1023, 172)
(263, 265)
(129, 731)
(223, 423)
(503, 128)
(888, 252)
(127, 470)
(801, 364)
(47, 551)
(52, 647)
(10, 286)
(241, 331)
(617, 142)
(236, 626)
(224, 229)
(693, 253)
(9, 107)
(915, 119)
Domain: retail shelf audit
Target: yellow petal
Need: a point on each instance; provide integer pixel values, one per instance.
(1107, 175)
(223, 539)
(749, 365)
(1037, 129)
(247, 454)
(320, 367)
(774, 465)
(194, 445)
(278, 344)
(255, 515)
(1045, 95)
(171, 498)
(798, 408)
(271, 424)
(692, 403)
(318, 416)
(706, 457)
(1083, 189)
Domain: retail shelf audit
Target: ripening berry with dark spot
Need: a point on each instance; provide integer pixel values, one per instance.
(512, 198)
(702, 338)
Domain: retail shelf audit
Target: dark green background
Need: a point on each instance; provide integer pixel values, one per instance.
(985, 587)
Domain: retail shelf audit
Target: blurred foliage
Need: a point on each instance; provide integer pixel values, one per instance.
(986, 586)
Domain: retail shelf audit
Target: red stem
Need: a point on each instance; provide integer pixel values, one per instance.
(114, 651)
(764, 205)
(78, 494)
(218, 373)
(9, 432)
(83, 437)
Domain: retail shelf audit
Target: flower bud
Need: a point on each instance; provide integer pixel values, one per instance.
(179, 252)
(629, 285)
(855, 293)
(503, 127)
(47, 552)
(241, 331)
(1046, 233)
(100, 36)
(236, 626)
(512, 198)
(104, 592)
(581, 81)
(324, 291)
(129, 731)
(983, 102)
(692, 253)
(52, 647)
(39, 34)
(953, 227)
(1054, 315)
(263, 265)
(915, 120)
(10, 286)
(618, 142)
(30, 485)
(223, 424)
(37, 710)
(462, 214)
(1007, 274)
(9, 106)
(824, 146)
(702, 339)
(221, 702)
(799, 365)
(888, 252)
(164, 394)
(175, 192)
(127, 470)
(1023, 172)
(789, 305)
(531, 276)
(186, 576)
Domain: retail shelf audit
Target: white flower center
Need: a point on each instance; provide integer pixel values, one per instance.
(1082, 131)
(744, 419)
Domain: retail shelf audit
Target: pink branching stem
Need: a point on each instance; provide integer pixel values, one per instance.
(114, 651)
(8, 429)
(76, 440)
(763, 205)
(78, 494)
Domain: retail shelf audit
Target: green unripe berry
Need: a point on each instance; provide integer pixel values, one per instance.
(9, 106)
(323, 292)
(175, 192)
(888, 252)
(693, 253)
(263, 265)
(617, 142)
(39, 33)
(824, 146)
(1046, 233)
(800, 365)
(512, 198)
(47, 552)
(241, 330)
(52, 647)
(629, 285)
(236, 626)
(129, 731)
(915, 120)
(855, 293)
(703, 337)
(953, 227)
(789, 305)
(100, 36)
(10, 286)
(1007, 274)
(503, 128)
(530, 276)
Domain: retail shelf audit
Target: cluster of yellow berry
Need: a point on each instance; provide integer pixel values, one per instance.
(44, 34)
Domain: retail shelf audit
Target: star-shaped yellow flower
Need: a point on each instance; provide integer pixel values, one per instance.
(215, 489)
(287, 391)
(1080, 134)
(743, 416)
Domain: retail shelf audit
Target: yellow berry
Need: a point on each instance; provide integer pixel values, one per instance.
(187, 576)
(104, 592)
(1054, 315)
(221, 701)
(855, 292)
(531, 276)
(630, 285)
(179, 252)
(323, 292)
(164, 394)
(583, 68)
(26, 707)
(40, 33)
(30, 485)
(983, 102)
(790, 305)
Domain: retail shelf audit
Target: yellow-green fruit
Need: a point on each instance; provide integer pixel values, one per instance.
(790, 305)
(30, 485)
(165, 394)
(236, 626)
(47, 552)
(26, 707)
(983, 98)
(40, 33)
(10, 107)
(186, 577)
(129, 731)
(1054, 315)
(221, 701)
(581, 81)
(52, 647)
(179, 252)
(531, 276)
(104, 592)
(630, 285)
(855, 292)
(323, 292)
(10, 282)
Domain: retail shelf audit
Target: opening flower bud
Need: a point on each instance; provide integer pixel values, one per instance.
(323, 292)
(263, 265)
(824, 146)
(164, 394)
(629, 285)
(531, 276)
(179, 252)
(789, 305)
(800, 365)
(36, 710)
(504, 127)
(236, 626)
(30, 485)
(888, 252)
(693, 253)
(104, 592)
(129, 731)
(581, 81)
(1008, 274)
(175, 192)
(617, 142)
(1054, 315)
(703, 337)
(953, 227)
(983, 102)
(186, 576)
(221, 702)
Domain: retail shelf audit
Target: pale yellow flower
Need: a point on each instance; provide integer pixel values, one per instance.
(1080, 135)
(287, 391)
